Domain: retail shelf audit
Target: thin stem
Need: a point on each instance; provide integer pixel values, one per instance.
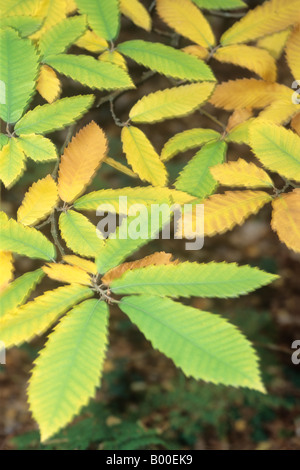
(212, 118)
(54, 234)
(226, 14)
(43, 224)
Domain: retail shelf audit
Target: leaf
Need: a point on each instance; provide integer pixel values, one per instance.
(157, 259)
(115, 58)
(35, 317)
(186, 140)
(80, 234)
(295, 123)
(277, 148)
(145, 195)
(4, 139)
(274, 43)
(268, 18)
(53, 12)
(187, 20)
(224, 211)
(18, 58)
(170, 103)
(38, 202)
(292, 51)
(138, 14)
(122, 244)
(280, 111)
(91, 42)
(65, 273)
(25, 25)
(240, 133)
(82, 263)
(48, 84)
(195, 178)
(238, 117)
(25, 241)
(286, 219)
(18, 291)
(221, 280)
(54, 116)
(198, 51)
(166, 60)
(12, 163)
(19, 7)
(203, 345)
(91, 72)
(120, 167)
(247, 93)
(37, 147)
(241, 174)
(76, 172)
(220, 4)
(142, 156)
(103, 17)
(77, 348)
(61, 36)
(6, 273)
(250, 57)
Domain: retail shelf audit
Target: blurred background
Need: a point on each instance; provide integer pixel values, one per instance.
(144, 401)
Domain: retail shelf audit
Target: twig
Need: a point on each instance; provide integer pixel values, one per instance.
(54, 234)
(212, 118)
(43, 224)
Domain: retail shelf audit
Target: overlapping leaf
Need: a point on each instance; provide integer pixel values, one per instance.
(134, 10)
(293, 52)
(12, 164)
(67, 274)
(37, 147)
(241, 173)
(186, 140)
(48, 84)
(103, 17)
(7, 271)
(286, 219)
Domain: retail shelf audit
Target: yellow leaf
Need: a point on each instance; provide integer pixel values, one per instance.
(286, 219)
(80, 160)
(223, 211)
(92, 42)
(187, 20)
(138, 14)
(7, 269)
(295, 123)
(113, 57)
(197, 51)
(53, 11)
(48, 84)
(159, 258)
(248, 93)
(12, 164)
(71, 6)
(66, 273)
(82, 263)
(241, 173)
(250, 57)
(274, 43)
(280, 111)
(238, 117)
(268, 18)
(38, 202)
(142, 156)
(292, 51)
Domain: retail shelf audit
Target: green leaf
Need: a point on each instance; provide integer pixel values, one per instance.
(220, 280)
(25, 25)
(18, 291)
(54, 116)
(276, 147)
(26, 241)
(91, 72)
(186, 140)
(166, 60)
(202, 344)
(103, 16)
(77, 349)
(139, 195)
(196, 178)
(220, 4)
(37, 147)
(61, 36)
(4, 139)
(18, 73)
(35, 317)
(12, 164)
(121, 243)
(170, 103)
(80, 234)
(19, 7)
